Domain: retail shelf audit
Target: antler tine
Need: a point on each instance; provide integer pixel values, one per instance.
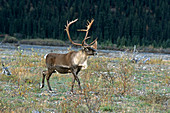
(85, 41)
(87, 30)
(92, 44)
(89, 24)
(67, 30)
(93, 41)
(69, 23)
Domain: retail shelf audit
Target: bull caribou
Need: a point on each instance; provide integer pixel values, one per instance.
(71, 62)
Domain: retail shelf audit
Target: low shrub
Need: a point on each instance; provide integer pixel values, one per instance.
(9, 39)
(48, 42)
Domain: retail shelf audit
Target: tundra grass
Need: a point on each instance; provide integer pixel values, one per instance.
(109, 85)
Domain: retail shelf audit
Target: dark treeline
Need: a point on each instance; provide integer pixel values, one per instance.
(121, 22)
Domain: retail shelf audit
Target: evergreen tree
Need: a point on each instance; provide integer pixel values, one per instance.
(140, 22)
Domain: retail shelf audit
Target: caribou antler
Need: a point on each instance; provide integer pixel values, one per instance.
(89, 24)
(95, 44)
(67, 30)
(92, 44)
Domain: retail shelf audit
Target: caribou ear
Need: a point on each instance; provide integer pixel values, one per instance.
(94, 45)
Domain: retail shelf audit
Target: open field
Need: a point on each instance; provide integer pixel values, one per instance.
(111, 83)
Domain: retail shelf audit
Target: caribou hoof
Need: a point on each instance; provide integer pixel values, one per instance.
(51, 91)
(41, 86)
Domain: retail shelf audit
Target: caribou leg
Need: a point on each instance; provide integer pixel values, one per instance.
(50, 72)
(77, 79)
(44, 74)
(72, 84)
(75, 72)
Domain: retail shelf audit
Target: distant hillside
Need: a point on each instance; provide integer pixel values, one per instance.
(121, 22)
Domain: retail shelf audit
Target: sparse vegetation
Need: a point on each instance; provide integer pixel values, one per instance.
(9, 39)
(47, 42)
(56, 42)
(109, 85)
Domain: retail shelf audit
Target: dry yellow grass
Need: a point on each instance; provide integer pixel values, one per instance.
(109, 85)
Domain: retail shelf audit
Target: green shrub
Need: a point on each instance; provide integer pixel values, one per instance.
(9, 39)
(106, 108)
